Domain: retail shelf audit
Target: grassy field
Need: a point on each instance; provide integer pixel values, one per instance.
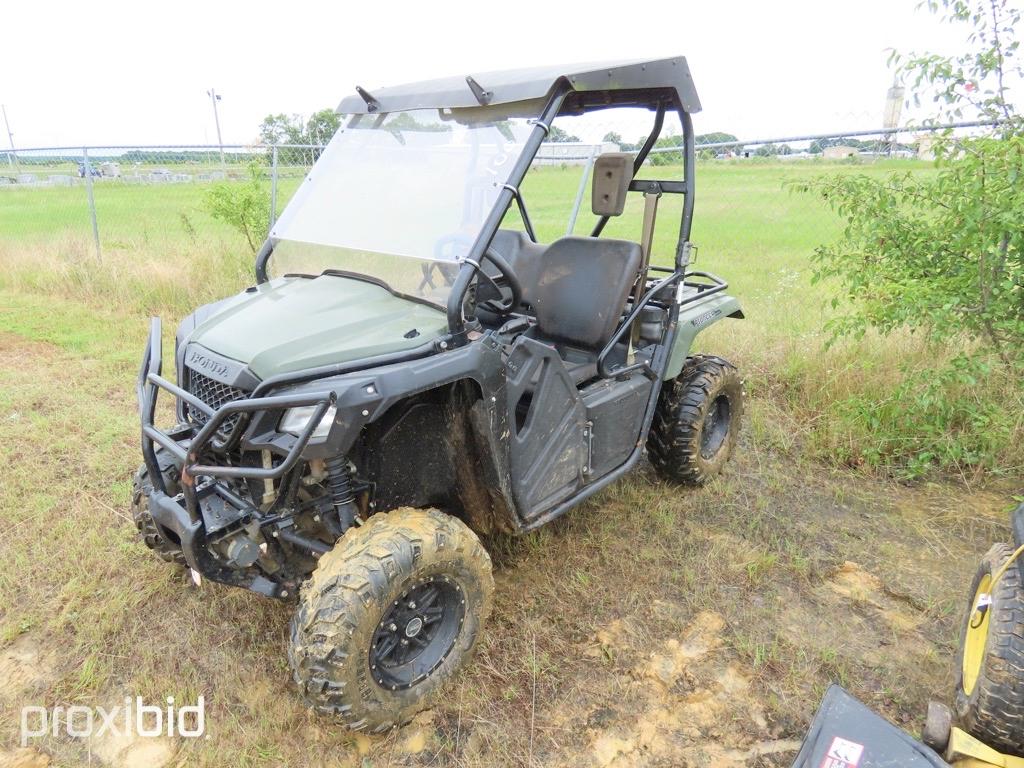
(652, 626)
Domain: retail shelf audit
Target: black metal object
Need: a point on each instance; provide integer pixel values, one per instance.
(689, 168)
(339, 484)
(317, 548)
(263, 258)
(372, 105)
(658, 186)
(417, 633)
(521, 204)
(716, 427)
(846, 734)
(602, 359)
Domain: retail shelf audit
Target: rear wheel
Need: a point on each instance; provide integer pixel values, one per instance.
(389, 616)
(141, 488)
(697, 421)
(990, 663)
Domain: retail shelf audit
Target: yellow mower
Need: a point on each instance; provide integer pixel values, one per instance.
(987, 728)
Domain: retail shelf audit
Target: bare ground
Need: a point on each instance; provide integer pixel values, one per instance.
(651, 627)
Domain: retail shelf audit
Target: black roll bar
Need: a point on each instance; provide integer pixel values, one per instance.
(541, 128)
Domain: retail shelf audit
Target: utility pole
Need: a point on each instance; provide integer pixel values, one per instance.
(10, 137)
(214, 98)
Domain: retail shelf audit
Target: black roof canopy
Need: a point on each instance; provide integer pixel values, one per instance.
(531, 84)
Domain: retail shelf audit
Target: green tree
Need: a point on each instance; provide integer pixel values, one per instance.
(282, 129)
(943, 255)
(559, 135)
(612, 137)
(667, 158)
(322, 126)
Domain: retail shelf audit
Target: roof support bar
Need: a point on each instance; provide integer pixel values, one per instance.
(456, 299)
(689, 166)
(522, 212)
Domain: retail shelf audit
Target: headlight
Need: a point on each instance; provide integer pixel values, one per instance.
(297, 419)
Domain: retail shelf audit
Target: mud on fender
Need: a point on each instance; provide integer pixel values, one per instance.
(846, 734)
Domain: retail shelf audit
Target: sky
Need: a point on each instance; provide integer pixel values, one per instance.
(112, 73)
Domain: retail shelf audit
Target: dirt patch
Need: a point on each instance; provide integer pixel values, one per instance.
(854, 583)
(24, 669)
(125, 749)
(670, 664)
(26, 757)
(418, 735)
(679, 706)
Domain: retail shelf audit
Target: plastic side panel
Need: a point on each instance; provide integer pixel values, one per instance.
(846, 734)
(693, 319)
(616, 411)
(547, 420)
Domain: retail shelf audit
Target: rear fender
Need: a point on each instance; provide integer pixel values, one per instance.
(694, 318)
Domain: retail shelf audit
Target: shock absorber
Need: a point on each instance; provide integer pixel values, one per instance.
(339, 483)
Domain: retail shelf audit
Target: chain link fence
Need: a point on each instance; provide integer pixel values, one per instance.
(158, 197)
(131, 195)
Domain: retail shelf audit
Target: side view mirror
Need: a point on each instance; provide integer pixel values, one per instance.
(612, 173)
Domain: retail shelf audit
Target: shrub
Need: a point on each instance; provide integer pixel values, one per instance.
(243, 205)
(943, 255)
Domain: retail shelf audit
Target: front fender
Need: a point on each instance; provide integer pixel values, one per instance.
(694, 318)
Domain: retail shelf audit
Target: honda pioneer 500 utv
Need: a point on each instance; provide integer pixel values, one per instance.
(410, 371)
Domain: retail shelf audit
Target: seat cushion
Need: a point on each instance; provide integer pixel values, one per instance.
(582, 287)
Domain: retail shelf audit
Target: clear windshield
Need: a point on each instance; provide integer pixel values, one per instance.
(400, 198)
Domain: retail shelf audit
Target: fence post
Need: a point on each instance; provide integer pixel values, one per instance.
(273, 186)
(92, 201)
(582, 189)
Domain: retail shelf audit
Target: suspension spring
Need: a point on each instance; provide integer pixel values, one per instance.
(339, 483)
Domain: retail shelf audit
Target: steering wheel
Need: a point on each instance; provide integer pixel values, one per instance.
(506, 277)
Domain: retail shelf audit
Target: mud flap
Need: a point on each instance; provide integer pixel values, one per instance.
(846, 734)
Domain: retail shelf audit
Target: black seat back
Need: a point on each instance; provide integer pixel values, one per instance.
(582, 287)
(523, 255)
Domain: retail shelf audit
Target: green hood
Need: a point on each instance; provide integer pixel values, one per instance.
(294, 323)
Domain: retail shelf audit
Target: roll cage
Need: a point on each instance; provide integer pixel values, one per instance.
(659, 85)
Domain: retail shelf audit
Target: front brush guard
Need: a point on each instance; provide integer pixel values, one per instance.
(181, 514)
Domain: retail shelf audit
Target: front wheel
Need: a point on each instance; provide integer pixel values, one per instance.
(697, 421)
(389, 615)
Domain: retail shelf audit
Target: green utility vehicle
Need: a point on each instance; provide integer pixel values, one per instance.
(413, 369)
